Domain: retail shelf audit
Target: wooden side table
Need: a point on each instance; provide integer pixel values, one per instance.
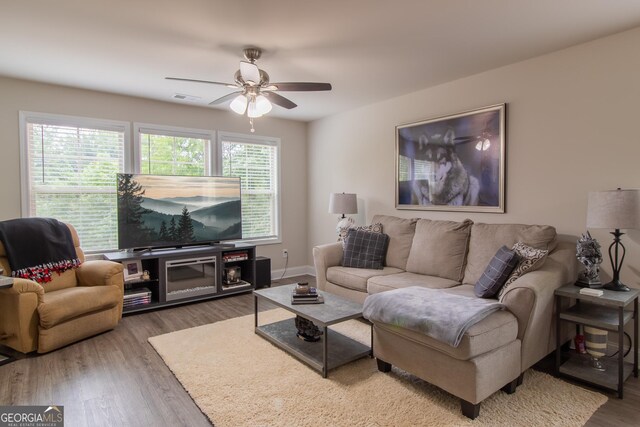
(605, 312)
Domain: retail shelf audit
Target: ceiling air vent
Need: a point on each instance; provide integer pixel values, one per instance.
(184, 97)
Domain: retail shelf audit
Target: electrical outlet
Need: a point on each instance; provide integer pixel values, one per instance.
(285, 253)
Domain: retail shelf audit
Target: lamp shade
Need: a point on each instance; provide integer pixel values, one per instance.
(263, 106)
(614, 209)
(239, 104)
(343, 203)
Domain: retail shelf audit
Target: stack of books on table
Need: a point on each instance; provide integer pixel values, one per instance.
(305, 294)
(136, 297)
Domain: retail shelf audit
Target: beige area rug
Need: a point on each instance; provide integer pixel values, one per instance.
(239, 379)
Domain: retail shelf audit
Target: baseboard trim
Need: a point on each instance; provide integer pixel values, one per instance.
(293, 271)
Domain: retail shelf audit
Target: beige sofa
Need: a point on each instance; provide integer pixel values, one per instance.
(452, 256)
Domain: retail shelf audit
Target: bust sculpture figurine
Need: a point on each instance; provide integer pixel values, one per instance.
(589, 255)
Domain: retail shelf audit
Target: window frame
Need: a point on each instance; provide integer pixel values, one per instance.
(258, 140)
(164, 130)
(31, 117)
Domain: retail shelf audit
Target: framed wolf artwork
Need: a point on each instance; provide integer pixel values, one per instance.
(453, 163)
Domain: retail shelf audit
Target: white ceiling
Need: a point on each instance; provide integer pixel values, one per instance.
(370, 50)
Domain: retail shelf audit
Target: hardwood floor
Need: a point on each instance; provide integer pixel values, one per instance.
(117, 378)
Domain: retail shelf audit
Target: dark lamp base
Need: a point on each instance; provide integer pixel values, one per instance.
(616, 285)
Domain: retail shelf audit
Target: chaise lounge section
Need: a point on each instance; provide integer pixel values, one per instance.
(451, 256)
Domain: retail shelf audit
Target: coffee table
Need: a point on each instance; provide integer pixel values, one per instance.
(333, 349)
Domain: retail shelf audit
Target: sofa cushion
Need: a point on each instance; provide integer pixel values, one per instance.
(496, 330)
(403, 280)
(496, 273)
(65, 304)
(439, 248)
(530, 259)
(486, 239)
(356, 278)
(400, 232)
(365, 249)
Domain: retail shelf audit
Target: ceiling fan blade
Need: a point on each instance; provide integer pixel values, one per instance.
(280, 100)
(249, 72)
(201, 81)
(302, 86)
(225, 98)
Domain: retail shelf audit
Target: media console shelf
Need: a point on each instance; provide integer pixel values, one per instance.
(177, 276)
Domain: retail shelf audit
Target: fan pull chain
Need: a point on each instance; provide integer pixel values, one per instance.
(251, 123)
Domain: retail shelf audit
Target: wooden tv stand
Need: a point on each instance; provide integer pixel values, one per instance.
(208, 264)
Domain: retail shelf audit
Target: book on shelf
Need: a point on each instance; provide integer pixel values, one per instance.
(136, 292)
(238, 284)
(132, 300)
(317, 300)
(136, 302)
(235, 256)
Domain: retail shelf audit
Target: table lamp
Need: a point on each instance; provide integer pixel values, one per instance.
(614, 209)
(343, 203)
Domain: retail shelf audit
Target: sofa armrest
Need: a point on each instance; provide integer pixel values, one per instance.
(531, 300)
(325, 256)
(100, 273)
(19, 315)
(25, 286)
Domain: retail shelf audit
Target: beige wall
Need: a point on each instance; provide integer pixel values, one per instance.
(572, 127)
(22, 95)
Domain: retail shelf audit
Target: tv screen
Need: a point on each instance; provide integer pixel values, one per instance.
(168, 211)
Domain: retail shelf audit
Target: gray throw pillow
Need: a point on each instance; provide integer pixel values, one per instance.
(365, 249)
(496, 273)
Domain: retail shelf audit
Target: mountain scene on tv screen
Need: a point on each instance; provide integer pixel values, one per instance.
(176, 211)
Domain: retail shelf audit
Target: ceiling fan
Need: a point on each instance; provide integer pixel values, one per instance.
(256, 94)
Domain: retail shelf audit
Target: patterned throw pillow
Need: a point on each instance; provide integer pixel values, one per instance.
(365, 249)
(496, 273)
(342, 235)
(530, 259)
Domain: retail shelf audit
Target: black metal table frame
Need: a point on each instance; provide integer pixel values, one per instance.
(620, 333)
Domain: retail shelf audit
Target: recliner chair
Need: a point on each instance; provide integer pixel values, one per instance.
(74, 305)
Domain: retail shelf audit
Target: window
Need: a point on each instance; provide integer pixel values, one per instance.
(70, 164)
(173, 151)
(256, 161)
(69, 172)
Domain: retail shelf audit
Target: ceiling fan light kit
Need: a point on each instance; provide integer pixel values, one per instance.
(256, 95)
(239, 104)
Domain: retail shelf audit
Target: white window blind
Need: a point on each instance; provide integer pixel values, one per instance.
(71, 174)
(167, 152)
(256, 163)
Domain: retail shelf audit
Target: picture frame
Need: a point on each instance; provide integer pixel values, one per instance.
(453, 163)
(132, 270)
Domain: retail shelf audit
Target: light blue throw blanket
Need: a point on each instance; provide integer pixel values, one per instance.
(440, 315)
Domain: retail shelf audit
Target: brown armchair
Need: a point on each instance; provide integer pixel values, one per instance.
(74, 305)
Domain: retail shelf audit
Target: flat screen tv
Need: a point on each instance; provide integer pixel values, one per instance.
(174, 211)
